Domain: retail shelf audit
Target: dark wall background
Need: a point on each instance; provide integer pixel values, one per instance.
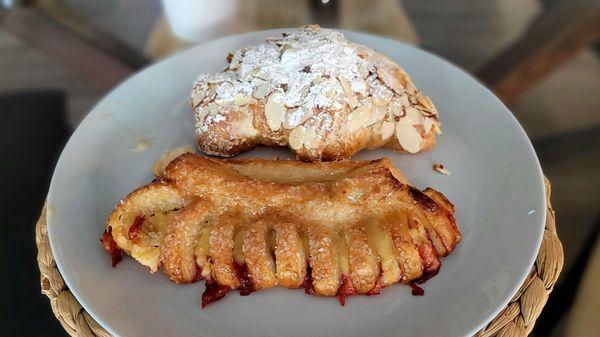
(32, 133)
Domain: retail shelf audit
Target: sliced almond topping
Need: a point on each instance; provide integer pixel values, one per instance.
(432, 109)
(296, 137)
(427, 124)
(364, 70)
(311, 138)
(409, 137)
(390, 80)
(427, 113)
(330, 93)
(397, 108)
(201, 114)
(261, 91)
(379, 100)
(284, 47)
(426, 106)
(424, 102)
(350, 96)
(200, 92)
(245, 127)
(361, 50)
(398, 111)
(411, 89)
(413, 116)
(258, 73)
(198, 97)
(378, 114)
(403, 100)
(359, 86)
(359, 117)
(345, 85)
(213, 108)
(214, 82)
(436, 127)
(235, 63)
(404, 80)
(352, 101)
(296, 116)
(387, 130)
(441, 169)
(210, 97)
(295, 94)
(275, 111)
(304, 91)
(240, 100)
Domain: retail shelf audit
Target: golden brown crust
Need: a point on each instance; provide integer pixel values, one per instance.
(322, 259)
(177, 253)
(290, 256)
(222, 246)
(409, 258)
(354, 221)
(364, 267)
(257, 253)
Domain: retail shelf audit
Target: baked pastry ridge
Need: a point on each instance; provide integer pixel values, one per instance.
(336, 228)
(316, 92)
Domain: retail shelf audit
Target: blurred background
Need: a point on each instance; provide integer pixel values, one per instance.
(541, 57)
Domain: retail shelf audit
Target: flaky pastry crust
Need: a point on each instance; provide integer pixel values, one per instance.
(335, 228)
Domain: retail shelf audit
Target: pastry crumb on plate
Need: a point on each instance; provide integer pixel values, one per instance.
(441, 169)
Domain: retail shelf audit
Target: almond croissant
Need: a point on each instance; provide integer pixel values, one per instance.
(316, 92)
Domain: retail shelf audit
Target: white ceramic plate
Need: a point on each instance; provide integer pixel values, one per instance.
(496, 185)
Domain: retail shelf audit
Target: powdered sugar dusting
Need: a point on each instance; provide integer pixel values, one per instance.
(305, 64)
(217, 118)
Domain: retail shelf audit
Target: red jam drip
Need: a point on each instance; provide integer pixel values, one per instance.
(213, 292)
(307, 284)
(427, 276)
(198, 276)
(346, 289)
(111, 246)
(416, 290)
(246, 285)
(136, 227)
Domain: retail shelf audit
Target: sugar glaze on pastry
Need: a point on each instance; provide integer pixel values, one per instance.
(335, 229)
(316, 92)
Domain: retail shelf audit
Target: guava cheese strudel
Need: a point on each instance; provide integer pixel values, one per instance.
(333, 228)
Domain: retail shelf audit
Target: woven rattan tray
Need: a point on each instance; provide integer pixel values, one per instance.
(517, 319)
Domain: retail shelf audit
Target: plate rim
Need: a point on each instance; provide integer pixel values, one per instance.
(502, 305)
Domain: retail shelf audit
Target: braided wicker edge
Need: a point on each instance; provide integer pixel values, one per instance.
(516, 320)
